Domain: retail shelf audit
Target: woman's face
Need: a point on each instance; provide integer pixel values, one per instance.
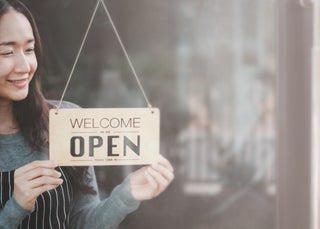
(18, 61)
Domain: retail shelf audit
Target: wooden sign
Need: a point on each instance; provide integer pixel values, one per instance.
(104, 136)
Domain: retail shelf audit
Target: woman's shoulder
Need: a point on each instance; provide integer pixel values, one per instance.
(64, 104)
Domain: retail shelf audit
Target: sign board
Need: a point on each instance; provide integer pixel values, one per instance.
(104, 136)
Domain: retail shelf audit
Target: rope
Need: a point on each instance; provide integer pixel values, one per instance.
(121, 44)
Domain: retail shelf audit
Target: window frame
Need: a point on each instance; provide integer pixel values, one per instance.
(293, 46)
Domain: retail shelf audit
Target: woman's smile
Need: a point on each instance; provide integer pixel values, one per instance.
(19, 83)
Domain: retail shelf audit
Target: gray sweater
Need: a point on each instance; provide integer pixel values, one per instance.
(85, 210)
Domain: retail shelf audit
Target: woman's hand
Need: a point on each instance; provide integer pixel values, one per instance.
(149, 181)
(33, 179)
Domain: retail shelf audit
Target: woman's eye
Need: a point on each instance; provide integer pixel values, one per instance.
(30, 50)
(6, 53)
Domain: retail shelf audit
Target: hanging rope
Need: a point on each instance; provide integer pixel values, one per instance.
(126, 54)
(121, 44)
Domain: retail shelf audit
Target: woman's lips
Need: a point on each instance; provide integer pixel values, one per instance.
(19, 83)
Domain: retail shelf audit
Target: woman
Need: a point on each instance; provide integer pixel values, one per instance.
(34, 191)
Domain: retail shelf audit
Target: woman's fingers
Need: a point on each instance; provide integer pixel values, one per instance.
(165, 162)
(35, 174)
(159, 181)
(41, 189)
(150, 179)
(160, 174)
(34, 165)
(166, 172)
(33, 179)
(37, 182)
(30, 195)
(45, 180)
(39, 172)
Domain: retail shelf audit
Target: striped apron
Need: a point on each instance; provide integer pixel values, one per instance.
(52, 208)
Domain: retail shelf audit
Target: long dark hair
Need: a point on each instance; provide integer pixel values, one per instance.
(32, 113)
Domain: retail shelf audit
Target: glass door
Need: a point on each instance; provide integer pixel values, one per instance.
(232, 81)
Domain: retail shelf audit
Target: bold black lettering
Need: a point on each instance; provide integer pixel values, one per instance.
(131, 145)
(80, 141)
(93, 145)
(111, 146)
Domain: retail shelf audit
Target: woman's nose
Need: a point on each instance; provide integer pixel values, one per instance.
(21, 63)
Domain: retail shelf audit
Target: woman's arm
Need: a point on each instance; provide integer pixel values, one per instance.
(143, 184)
(89, 212)
(12, 214)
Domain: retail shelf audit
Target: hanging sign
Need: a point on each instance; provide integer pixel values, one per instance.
(104, 136)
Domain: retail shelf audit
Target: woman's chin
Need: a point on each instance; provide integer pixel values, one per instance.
(19, 97)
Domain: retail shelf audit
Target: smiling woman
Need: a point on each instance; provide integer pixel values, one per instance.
(17, 57)
(34, 191)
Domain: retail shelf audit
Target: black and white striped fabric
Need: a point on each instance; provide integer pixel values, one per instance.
(51, 208)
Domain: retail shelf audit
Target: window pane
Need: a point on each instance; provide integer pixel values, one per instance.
(209, 65)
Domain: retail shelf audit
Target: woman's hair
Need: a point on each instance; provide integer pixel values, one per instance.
(32, 113)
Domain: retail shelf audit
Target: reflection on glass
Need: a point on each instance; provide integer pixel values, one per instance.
(209, 66)
(226, 82)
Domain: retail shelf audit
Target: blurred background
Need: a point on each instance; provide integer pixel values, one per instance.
(211, 67)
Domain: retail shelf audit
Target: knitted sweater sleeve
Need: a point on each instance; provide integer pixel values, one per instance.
(12, 214)
(89, 212)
